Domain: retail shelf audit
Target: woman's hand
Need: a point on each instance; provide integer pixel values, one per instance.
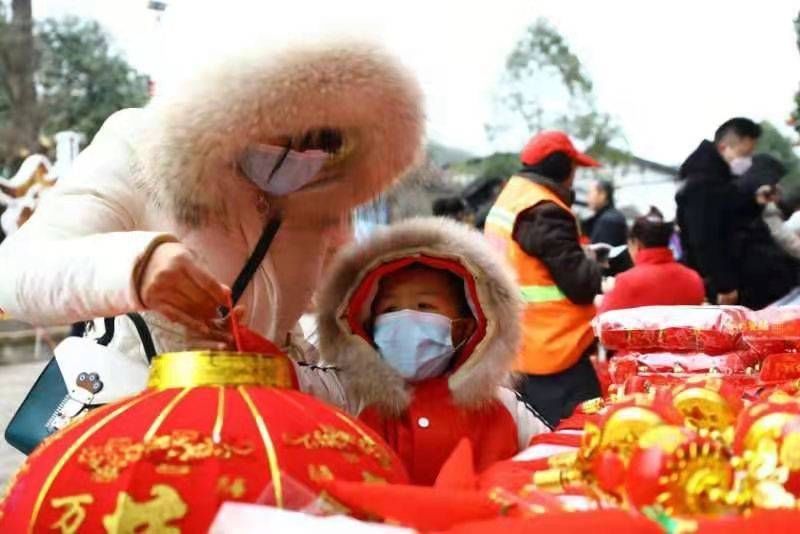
(176, 286)
(766, 194)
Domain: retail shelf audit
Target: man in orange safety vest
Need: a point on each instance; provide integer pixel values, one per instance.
(532, 224)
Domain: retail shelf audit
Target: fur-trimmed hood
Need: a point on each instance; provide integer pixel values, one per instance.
(188, 154)
(491, 291)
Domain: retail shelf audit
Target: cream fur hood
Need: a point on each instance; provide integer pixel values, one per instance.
(170, 172)
(188, 155)
(367, 378)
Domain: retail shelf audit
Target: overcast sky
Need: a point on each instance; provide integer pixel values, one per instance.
(669, 71)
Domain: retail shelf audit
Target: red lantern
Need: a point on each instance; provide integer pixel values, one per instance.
(213, 427)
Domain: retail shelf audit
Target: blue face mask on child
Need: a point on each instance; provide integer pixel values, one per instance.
(416, 344)
(280, 171)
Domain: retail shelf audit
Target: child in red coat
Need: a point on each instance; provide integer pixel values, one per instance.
(656, 279)
(422, 323)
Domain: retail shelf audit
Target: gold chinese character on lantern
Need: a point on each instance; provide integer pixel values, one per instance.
(131, 517)
(75, 513)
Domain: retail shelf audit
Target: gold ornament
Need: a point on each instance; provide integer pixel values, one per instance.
(207, 368)
(705, 409)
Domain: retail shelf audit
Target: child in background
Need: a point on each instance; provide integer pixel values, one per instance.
(423, 324)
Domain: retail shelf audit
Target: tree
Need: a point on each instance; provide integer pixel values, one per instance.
(57, 75)
(19, 134)
(546, 86)
(795, 120)
(774, 143)
(82, 81)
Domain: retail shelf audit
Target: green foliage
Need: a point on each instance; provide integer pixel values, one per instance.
(444, 155)
(497, 165)
(796, 113)
(82, 81)
(540, 68)
(774, 143)
(4, 103)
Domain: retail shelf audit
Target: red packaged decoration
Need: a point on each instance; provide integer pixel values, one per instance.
(644, 384)
(780, 367)
(707, 329)
(774, 330)
(637, 364)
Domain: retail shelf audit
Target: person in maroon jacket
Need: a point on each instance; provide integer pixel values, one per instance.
(656, 278)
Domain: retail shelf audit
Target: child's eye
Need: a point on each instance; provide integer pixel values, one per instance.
(425, 306)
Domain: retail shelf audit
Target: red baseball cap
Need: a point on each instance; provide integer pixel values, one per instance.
(543, 144)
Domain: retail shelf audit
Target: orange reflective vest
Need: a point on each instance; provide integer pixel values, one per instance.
(556, 332)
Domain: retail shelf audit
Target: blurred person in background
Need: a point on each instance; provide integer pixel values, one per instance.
(607, 225)
(765, 271)
(707, 204)
(643, 285)
(785, 232)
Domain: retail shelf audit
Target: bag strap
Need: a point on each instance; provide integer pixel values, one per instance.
(144, 334)
(141, 328)
(245, 275)
(255, 259)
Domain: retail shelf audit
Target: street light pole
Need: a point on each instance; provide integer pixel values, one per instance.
(157, 7)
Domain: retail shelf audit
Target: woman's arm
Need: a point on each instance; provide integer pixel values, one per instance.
(80, 254)
(787, 239)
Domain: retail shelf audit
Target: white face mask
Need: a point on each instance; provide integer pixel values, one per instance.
(416, 344)
(279, 170)
(739, 166)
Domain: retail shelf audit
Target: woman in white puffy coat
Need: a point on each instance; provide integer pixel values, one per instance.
(165, 183)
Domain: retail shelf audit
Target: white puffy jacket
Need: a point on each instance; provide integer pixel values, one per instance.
(169, 172)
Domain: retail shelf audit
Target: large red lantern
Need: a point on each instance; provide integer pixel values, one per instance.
(212, 427)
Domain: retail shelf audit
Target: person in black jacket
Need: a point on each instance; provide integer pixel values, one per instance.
(707, 205)
(766, 273)
(608, 224)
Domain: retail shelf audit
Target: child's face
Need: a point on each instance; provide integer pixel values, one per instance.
(421, 289)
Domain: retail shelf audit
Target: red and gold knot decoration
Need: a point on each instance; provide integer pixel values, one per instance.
(695, 449)
(212, 427)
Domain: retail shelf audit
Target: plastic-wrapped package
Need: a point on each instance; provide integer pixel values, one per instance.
(707, 329)
(781, 367)
(626, 365)
(643, 384)
(774, 330)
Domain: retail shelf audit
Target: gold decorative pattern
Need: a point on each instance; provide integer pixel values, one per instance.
(370, 478)
(367, 444)
(320, 473)
(131, 517)
(330, 437)
(106, 461)
(75, 513)
(232, 487)
(269, 447)
(48, 483)
(208, 368)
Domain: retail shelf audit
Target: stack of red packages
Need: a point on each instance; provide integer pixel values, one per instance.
(774, 334)
(664, 345)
